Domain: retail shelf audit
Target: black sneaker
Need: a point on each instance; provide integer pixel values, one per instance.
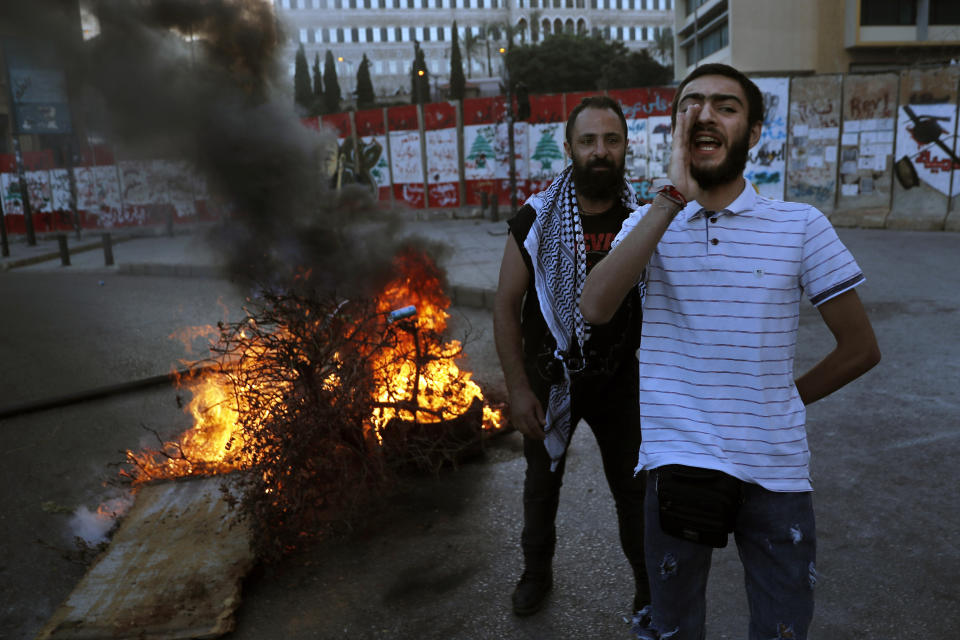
(531, 591)
(640, 601)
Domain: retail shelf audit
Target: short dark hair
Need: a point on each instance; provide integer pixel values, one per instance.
(752, 91)
(595, 102)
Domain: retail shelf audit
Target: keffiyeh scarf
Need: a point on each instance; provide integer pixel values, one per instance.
(555, 245)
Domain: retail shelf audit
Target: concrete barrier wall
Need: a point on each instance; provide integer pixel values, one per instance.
(814, 141)
(925, 156)
(869, 150)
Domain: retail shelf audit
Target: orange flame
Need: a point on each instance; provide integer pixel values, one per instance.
(442, 392)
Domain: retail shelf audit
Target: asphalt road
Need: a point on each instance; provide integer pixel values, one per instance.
(439, 560)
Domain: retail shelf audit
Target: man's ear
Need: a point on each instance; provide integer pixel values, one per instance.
(566, 149)
(755, 131)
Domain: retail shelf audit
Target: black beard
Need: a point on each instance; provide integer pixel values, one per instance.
(604, 185)
(728, 170)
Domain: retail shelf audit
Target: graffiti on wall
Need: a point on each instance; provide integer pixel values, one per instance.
(927, 147)
(766, 162)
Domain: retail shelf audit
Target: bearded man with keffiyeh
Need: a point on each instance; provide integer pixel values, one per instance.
(559, 369)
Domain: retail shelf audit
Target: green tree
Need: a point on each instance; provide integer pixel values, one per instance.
(419, 77)
(564, 62)
(317, 102)
(302, 94)
(331, 85)
(458, 83)
(547, 150)
(635, 69)
(663, 45)
(471, 42)
(365, 96)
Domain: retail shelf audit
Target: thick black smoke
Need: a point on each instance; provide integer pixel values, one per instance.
(200, 80)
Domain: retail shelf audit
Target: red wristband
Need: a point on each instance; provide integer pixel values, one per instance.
(672, 194)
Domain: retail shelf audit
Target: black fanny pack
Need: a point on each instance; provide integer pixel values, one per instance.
(699, 505)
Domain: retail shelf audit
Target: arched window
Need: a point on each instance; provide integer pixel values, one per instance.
(546, 27)
(568, 26)
(557, 26)
(581, 27)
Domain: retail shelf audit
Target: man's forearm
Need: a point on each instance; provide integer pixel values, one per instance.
(509, 344)
(611, 278)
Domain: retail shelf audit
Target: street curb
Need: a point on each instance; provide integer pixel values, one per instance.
(55, 255)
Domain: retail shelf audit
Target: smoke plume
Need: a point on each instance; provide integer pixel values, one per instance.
(200, 80)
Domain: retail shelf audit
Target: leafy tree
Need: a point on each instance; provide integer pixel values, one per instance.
(419, 77)
(663, 45)
(535, 17)
(317, 101)
(457, 81)
(564, 62)
(471, 42)
(365, 96)
(636, 69)
(331, 85)
(302, 94)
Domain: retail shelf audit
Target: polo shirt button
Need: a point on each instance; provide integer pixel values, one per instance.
(713, 219)
(714, 241)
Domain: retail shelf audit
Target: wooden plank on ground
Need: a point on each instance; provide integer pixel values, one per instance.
(173, 570)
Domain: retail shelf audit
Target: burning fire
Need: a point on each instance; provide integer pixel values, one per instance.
(416, 380)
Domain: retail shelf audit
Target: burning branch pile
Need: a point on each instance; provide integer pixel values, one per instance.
(324, 401)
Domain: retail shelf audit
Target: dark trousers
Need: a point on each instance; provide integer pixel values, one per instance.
(610, 406)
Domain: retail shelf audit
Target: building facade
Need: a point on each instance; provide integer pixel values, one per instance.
(819, 36)
(385, 30)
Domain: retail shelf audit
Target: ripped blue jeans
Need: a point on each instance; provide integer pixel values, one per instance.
(776, 539)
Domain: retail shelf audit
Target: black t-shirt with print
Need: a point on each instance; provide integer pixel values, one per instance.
(609, 344)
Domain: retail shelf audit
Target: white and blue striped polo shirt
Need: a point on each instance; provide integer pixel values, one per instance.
(720, 317)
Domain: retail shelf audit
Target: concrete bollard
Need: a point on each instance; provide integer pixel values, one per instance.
(64, 250)
(107, 249)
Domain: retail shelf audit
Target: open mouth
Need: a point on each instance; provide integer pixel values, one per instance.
(706, 142)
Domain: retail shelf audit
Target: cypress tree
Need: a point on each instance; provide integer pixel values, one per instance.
(331, 86)
(302, 94)
(317, 85)
(365, 96)
(457, 81)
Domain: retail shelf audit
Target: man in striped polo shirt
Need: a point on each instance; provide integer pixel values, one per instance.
(722, 270)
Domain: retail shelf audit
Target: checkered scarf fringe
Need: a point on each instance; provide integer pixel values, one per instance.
(556, 247)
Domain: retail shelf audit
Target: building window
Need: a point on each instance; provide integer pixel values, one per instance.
(339, 35)
(392, 64)
(888, 12)
(411, 34)
(944, 12)
(284, 4)
(692, 5)
(643, 35)
(370, 37)
(708, 44)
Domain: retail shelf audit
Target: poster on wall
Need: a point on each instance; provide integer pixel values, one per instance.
(479, 142)
(659, 141)
(926, 146)
(374, 162)
(443, 172)
(405, 159)
(545, 137)
(639, 105)
(814, 140)
(12, 199)
(766, 162)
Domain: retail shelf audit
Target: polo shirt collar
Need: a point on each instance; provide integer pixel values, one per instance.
(744, 202)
